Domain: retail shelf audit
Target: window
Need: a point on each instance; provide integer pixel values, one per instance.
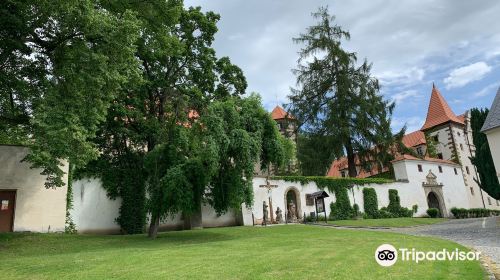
(461, 147)
(458, 133)
(471, 190)
(420, 151)
(489, 201)
(454, 169)
(343, 174)
(440, 169)
(436, 138)
(309, 200)
(419, 168)
(440, 156)
(467, 170)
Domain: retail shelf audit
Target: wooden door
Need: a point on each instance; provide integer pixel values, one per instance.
(7, 205)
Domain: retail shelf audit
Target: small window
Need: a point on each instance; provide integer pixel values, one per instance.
(420, 151)
(436, 138)
(471, 190)
(419, 168)
(440, 156)
(461, 147)
(467, 170)
(440, 169)
(343, 174)
(458, 133)
(489, 201)
(309, 200)
(454, 169)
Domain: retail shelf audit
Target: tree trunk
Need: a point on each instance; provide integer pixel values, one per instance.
(194, 220)
(153, 227)
(351, 159)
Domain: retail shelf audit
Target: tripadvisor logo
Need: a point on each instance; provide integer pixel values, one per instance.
(387, 255)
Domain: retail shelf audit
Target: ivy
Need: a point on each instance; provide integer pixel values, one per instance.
(370, 203)
(70, 226)
(333, 183)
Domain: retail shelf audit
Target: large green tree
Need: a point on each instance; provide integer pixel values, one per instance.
(61, 63)
(337, 99)
(488, 181)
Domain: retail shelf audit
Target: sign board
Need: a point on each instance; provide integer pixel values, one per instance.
(320, 205)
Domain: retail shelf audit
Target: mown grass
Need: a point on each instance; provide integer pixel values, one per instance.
(393, 222)
(275, 252)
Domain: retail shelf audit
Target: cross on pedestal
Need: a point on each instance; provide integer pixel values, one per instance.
(269, 188)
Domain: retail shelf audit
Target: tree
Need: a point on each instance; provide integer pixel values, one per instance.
(62, 64)
(483, 160)
(315, 154)
(337, 99)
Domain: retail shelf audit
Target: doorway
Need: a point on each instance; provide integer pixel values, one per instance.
(7, 206)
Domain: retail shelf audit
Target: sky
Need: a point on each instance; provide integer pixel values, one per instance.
(412, 44)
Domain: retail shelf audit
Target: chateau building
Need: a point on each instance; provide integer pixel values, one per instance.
(451, 135)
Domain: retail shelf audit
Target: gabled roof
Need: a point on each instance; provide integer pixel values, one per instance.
(414, 139)
(493, 118)
(279, 113)
(410, 157)
(439, 111)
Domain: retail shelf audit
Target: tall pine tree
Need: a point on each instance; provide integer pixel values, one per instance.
(337, 99)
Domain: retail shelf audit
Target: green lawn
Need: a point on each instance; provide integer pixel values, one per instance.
(394, 222)
(279, 252)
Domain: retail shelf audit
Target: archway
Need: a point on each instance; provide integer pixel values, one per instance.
(292, 200)
(433, 202)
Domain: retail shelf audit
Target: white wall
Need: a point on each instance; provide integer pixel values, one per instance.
(94, 212)
(37, 209)
(494, 142)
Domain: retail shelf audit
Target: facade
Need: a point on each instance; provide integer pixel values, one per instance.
(452, 137)
(491, 128)
(26, 205)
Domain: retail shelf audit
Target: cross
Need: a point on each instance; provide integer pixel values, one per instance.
(269, 188)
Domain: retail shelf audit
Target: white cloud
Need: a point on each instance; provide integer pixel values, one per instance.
(412, 124)
(489, 89)
(408, 76)
(400, 97)
(461, 76)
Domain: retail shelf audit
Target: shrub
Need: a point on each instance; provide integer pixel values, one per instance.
(462, 213)
(370, 203)
(432, 212)
(355, 208)
(341, 209)
(414, 208)
(394, 206)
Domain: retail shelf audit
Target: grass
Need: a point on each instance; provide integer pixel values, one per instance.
(279, 252)
(393, 222)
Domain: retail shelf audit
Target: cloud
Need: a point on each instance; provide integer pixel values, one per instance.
(461, 76)
(413, 123)
(489, 89)
(406, 77)
(400, 97)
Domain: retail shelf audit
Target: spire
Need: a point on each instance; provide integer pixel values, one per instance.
(439, 111)
(280, 113)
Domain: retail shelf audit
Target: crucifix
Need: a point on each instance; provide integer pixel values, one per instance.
(269, 188)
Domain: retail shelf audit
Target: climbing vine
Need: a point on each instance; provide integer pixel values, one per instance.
(69, 226)
(333, 183)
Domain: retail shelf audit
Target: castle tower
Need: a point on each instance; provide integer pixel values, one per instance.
(453, 140)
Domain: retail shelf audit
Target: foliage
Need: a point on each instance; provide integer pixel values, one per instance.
(370, 203)
(315, 154)
(341, 209)
(389, 222)
(62, 65)
(461, 213)
(483, 160)
(355, 208)
(433, 212)
(414, 208)
(394, 206)
(330, 183)
(338, 100)
(69, 226)
(431, 149)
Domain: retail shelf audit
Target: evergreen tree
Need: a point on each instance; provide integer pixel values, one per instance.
(337, 99)
(488, 181)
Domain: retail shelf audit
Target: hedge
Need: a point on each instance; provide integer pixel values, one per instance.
(432, 212)
(462, 213)
(370, 203)
(394, 206)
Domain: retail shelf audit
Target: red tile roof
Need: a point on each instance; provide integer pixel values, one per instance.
(279, 113)
(439, 111)
(410, 157)
(414, 139)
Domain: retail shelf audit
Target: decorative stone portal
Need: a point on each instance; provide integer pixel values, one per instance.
(434, 194)
(293, 207)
